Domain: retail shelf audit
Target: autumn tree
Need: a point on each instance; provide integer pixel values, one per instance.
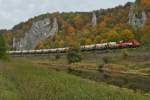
(112, 36)
(144, 3)
(68, 28)
(78, 22)
(61, 43)
(88, 41)
(127, 35)
(40, 45)
(8, 37)
(97, 39)
(71, 29)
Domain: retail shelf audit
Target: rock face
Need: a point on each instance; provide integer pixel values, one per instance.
(137, 18)
(39, 31)
(94, 20)
(14, 42)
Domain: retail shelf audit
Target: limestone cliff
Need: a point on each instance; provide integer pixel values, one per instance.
(137, 17)
(94, 20)
(39, 31)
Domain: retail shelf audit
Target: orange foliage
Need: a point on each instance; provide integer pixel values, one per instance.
(127, 35)
(145, 3)
(68, 28)
(8, 36)
(78, 22)
(71, 29)
(40, 45)
(103, 24)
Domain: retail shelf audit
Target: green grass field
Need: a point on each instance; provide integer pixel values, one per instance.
(23, 80)
(138, 60)
(136, 66)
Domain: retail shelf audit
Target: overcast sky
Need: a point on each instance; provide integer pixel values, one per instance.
(14, 11)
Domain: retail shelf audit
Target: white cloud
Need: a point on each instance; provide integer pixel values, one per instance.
(15, 11)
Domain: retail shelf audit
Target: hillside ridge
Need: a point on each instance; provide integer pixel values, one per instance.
(79, 28)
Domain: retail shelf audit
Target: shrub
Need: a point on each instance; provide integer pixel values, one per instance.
(74, 55)
(106, 59)
(57, 56)
(100, 67)
(125, 54)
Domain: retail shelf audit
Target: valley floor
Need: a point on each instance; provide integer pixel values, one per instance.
(34, 78)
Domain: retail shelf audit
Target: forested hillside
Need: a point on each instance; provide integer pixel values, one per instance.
(127, 22)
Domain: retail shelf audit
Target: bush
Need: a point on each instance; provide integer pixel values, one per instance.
(106, 59)
(125, 54)
(74, 55)
(100, 67)
(57, 56)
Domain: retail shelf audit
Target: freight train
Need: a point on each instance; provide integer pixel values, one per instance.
(102, 46)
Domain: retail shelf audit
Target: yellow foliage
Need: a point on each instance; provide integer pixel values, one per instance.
(8, 36)
(40, 45)
(127, 35)
(88, 41)
(78, 22)
(145, 3)
(71, 29)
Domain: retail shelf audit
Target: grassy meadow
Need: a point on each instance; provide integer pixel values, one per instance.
(137, 60)
(128, 71)
(20, 79)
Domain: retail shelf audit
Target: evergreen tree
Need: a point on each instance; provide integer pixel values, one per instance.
(2, 47)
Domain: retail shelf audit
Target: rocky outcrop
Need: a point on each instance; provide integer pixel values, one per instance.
(14, 42)
(94, 20)
(39, 31)
(137, 18)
